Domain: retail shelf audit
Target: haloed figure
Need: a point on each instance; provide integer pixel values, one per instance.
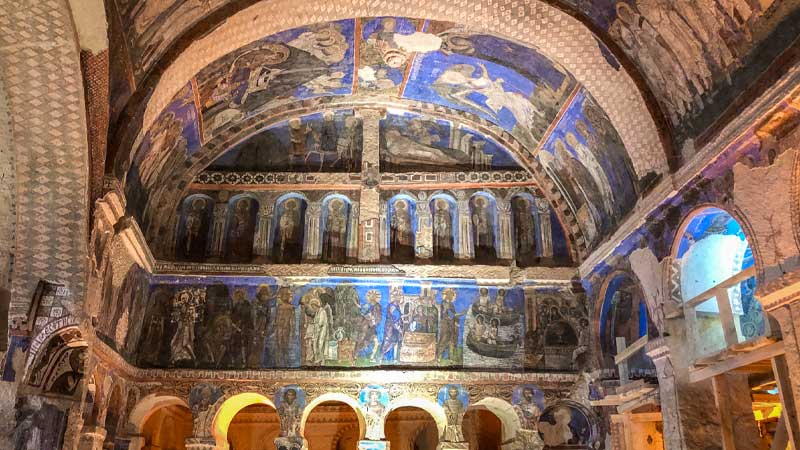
(442, 231)
(335, 240)
(525, 243)
(402, 242)
(288, 247)
(483, 231)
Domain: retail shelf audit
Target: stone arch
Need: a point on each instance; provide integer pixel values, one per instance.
(335, 397)
(63, 326)
(504, 411)
(574, 46)
(226, 409)
(148, 405)
(429, 405)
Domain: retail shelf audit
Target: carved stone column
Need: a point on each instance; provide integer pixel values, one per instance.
(263, 231)
(218, 230)
(370, 208)
(543, 209)
(787, 367)
(465, 244)
(670, 410)
(312, 240)
(505, 251)
(290, 443)
(424, 237)
(92, 438)
(384, 231)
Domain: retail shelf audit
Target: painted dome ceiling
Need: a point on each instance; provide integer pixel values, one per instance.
(449, 100)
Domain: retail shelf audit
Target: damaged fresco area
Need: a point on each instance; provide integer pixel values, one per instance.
(415, 143)
(262, 322)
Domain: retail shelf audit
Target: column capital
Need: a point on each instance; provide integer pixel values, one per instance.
(92, 438)
(201, 443)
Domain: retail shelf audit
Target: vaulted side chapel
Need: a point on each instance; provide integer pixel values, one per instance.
(399, 225)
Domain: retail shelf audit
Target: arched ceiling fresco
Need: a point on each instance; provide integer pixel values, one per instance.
(694, 56)
(449, 99)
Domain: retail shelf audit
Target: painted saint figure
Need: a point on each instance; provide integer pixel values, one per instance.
(288, 246)
(525, 234)
(241, 231)
(402, 236)
(449, 322)
(371, 318)
(284, 326)
(289, 411)
(483, 231)
(527, 410)
(335, 240)
(262, 317)
(195, 231)
(393, 334)
(184, 314)
(442, 231)
(454, 410)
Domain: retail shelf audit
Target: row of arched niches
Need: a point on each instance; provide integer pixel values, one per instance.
(448, 227)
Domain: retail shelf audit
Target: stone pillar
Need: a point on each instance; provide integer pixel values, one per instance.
(787, 367)
(465, 244)
(734, 402)
(218, 230)
(424, 237)
(543, 209)
(384, 231)
(670, 410)
(92, 438)
(505, 250)
(312, 240)
(263, 232)
(352, 236)
(135, 442)
(202, 443)
(370, 204)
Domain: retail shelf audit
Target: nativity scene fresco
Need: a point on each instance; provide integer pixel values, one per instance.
(263, 322)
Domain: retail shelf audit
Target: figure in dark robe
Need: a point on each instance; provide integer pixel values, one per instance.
(193, 247)
(335, 240)
(483, 231)
(262, 313)
(284, 326)
(525, 243)
(242, 229)
(449, 324)
(393, 334)
(402, 235)
(288, 246)
(242, 318)
(442, 231)
(371, 318)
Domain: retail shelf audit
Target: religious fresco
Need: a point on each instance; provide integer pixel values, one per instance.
(289, 403)
(585, 157)
(528, 401)
(454, 399)
(385, 51)
(624, 315)
(697, 56)
(194, 228)
(567, 425)
(306, 62)
(222, 322)
(173, 138)
(329, 141)
(374, 401)
(151, 26)
(466, 226)
(557, 334)
(414, 143)
(123, 307)
(39, 424)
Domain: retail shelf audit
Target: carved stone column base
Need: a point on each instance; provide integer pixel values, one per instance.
(195, 443)
(452, 446)
(92, 438)
(373, 445)
(290, 443)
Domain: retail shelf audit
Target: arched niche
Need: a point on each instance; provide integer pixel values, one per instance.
(288, 228)
(229, 408)
(711, 247)
(428, 405)
(240, 228)
(485, 227)
(334, 397)
(254, 426)
(401, 219)
(163, 421)
(148, 405)
(411, 428)
(335, 227)
(444, 216)
(57, 367)
(114, 413)
(505, 413)
(195, 225)
(527, 231)
(623, 314)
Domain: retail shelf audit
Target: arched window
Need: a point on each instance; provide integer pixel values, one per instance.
(194, 227)
(335, 228)
(717, 281)
(289, 229)
(240, 229)
(624, 316)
